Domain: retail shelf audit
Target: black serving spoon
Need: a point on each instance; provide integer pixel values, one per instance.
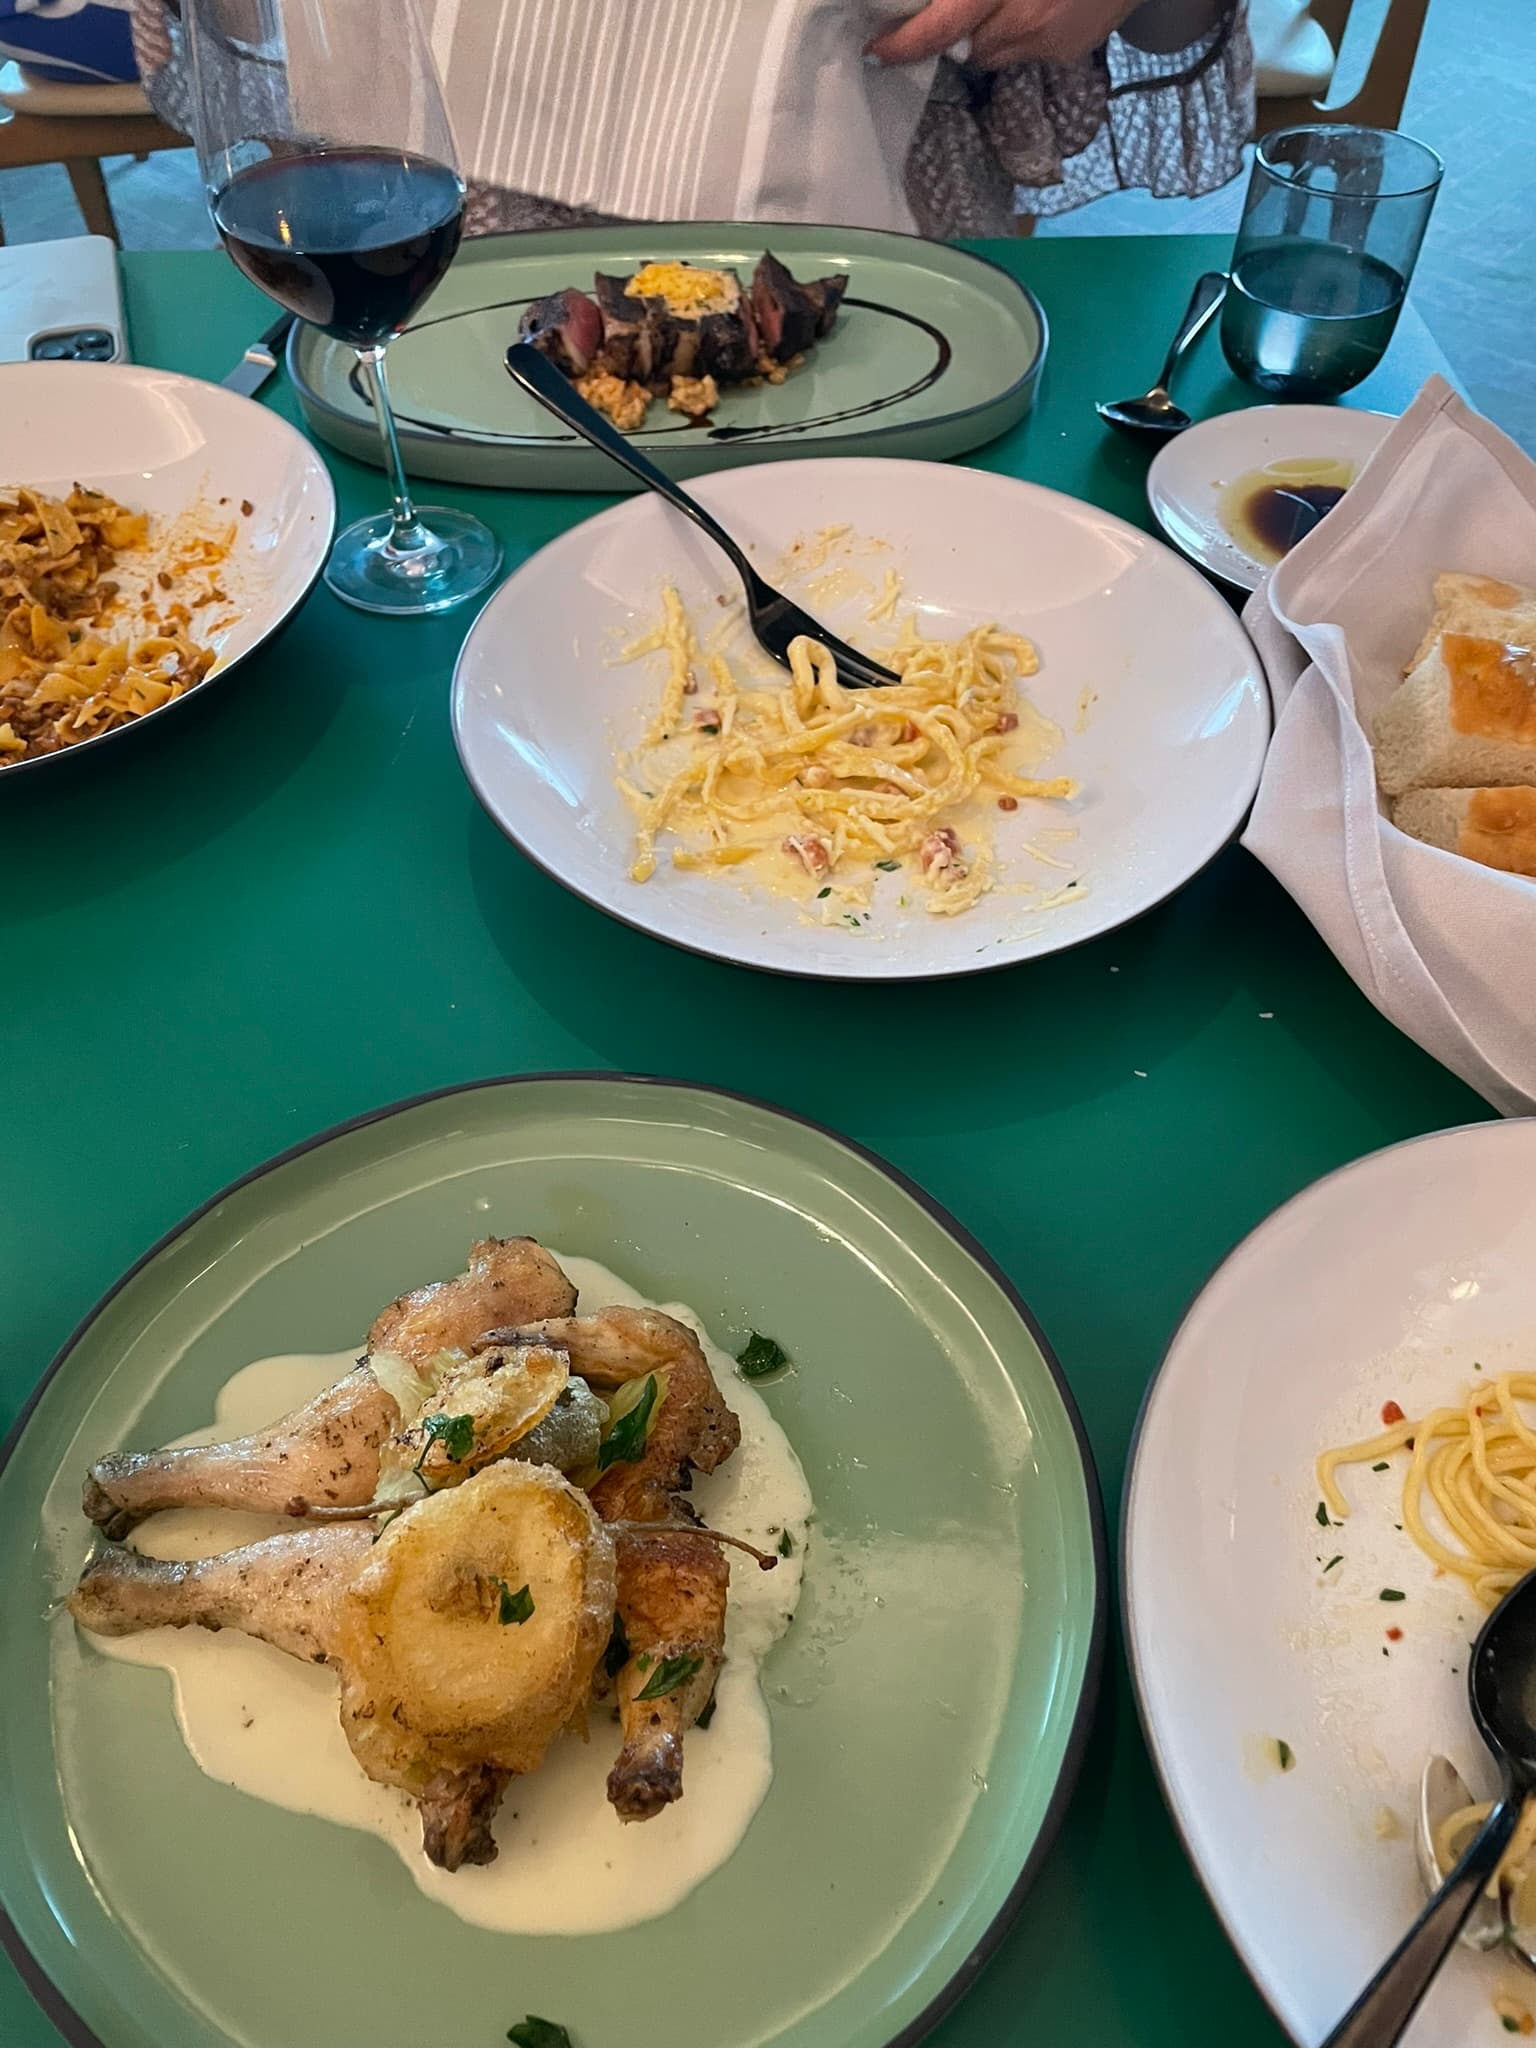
(774, 618)
(1501, 1682)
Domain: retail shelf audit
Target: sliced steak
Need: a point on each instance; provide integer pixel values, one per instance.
(785, 313)
(826, 295)
(637, 338)
(727, 345)
(567, 327)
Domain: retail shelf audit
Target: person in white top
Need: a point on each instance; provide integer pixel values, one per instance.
(951, 117)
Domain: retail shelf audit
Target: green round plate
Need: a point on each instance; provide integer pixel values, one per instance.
(934, 352)
(929, 1703)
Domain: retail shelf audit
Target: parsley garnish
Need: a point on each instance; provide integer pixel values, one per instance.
(759, 1357)
(1510, 2026)
(536, 2033)
(669, 1675)
(1391, 1593)
(1322, 1514)
(1286, 1755)
(888, 866)
(786, 1545)
(626, 1440)
(708, 1714)
(1328, 1567)
(849, 918)
(821, 893)
(456, 1433)
(512, 1606)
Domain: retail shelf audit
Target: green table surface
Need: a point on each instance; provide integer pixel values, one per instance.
(287, 908)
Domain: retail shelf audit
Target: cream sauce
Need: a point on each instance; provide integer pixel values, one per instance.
(267, 1724)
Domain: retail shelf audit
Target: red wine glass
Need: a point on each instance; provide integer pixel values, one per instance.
(332, 180)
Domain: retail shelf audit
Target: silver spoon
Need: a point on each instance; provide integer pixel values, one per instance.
(1156, 415)
(1442, 1792)
(1501, 1684)
(775, 619)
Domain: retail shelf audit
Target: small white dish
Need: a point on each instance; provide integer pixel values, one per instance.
(1192, 472)
(1157, 689)
(170, 446)
(1390, 1280)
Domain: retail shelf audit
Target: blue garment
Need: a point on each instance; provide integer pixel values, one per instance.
(78, 42)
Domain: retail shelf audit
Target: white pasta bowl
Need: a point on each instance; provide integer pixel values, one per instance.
(191, 455)
(1157, 690)
(1407, 1277)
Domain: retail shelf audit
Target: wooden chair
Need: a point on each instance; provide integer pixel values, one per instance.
(118, 123)
(1378, 103)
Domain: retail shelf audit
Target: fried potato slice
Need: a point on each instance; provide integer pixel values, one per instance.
(471, 1634)
(505, 1392)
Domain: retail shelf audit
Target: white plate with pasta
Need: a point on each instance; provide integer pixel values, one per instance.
(219, 519)
(1298, 1636)
(1079, 729)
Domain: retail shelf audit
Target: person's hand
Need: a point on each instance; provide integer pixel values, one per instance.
(1003, 32)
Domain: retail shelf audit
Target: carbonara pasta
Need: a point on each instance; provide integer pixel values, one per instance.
(829, 785)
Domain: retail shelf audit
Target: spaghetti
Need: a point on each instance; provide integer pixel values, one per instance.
(1477, 1464)
(829, 785)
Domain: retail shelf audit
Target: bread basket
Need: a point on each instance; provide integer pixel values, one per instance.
(1441, 944)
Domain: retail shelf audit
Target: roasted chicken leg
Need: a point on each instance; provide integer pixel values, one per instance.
(284, 1589)
(694, 1429)
(510, 1279)
(465, 1636)
(672, 1590)
(672, 1585)
(435, 1698)
(327, 1453)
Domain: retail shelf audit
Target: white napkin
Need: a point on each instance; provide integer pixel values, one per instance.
(1442, 946)
(685, 109)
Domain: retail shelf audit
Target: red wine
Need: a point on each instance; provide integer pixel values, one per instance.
(352, 240)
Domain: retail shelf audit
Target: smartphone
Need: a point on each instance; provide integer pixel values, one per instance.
(61, 302)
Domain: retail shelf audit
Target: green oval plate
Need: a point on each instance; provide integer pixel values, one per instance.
(935, 351)
(929, 1703)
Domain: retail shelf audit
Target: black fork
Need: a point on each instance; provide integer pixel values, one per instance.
(773, 617)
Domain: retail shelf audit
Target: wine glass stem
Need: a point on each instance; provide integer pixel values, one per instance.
(409, 535)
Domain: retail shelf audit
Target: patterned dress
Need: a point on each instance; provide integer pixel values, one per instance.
(770, 93)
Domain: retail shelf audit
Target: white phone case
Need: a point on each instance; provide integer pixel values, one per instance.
(61, 301)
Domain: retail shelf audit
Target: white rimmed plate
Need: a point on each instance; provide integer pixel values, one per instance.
(1393, 1279)
(176, 447)
(1157, 689)
(1191, 472)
